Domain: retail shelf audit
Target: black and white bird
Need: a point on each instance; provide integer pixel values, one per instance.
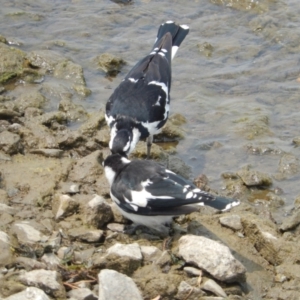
(149, 194)
(139, 106)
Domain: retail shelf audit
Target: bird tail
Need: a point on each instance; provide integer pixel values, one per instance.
(217, 202)
(178, 33)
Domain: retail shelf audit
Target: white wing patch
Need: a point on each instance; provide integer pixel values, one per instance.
(110, 175)
(113, 134)
(133, 80)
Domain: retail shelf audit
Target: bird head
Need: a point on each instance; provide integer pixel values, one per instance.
(120, 142)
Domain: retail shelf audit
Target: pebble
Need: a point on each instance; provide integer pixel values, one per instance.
(211, 256)
(47, 280)
(232, 221)
(150, 253)
(82, 294)
(85, 234)
(29, 263)
(114, 285)
(290, 222)
(186, 291)
(69, 188)
(116, 227)
(27, 234)
(48, 152)
(192, 271)
(63, 206)
(50, 260)
(30, 293)
(211, 286)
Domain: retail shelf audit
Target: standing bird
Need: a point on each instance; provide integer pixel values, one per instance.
(150, 195)
(139, 106)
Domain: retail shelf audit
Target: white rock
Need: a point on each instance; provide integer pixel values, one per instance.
(150, 253)
(46, 280)
(192, 271)
(7, 209)
(28, 234)
(31, 293)
(186, 291)
(211, 256)
(132, 251)
(211, 286)
(82, 294)
(50, 260)
(114, 285)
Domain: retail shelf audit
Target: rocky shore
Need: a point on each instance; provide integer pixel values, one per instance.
(61, 237)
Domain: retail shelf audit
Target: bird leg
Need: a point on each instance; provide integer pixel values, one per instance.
(149, 143)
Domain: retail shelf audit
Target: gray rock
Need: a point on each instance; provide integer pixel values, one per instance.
(186, 291)
(211, 286)
(85, 234)
(254, 178)
(290, 222)
(114, 285)
(92, 125)
(82, 294)
(97, 212)
(49, 281)
(150, 253)
(232, 221)
(30, 99)
(5, 249)
(26, 233)
(211, 256)
(63, 206)
(84, 256)
(50, 260)
(9, 142)
(117, 216)
(109, 63)
(30, 293)
(29, 264)
(192, 271)
(289, 166)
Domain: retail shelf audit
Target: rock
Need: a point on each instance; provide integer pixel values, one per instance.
(10, 142)
(69, 187)
(211, 286)
(103, 136)
(87, 169)
(48, 152)
(29, 264)
(122, 258)
(50, 260)
(211, 256)
(8, 113)
(290, 222)
(117, 215)
(82, 294)
(5, 249)
(11, 63)
(296, 141)
(296, 203)
(85, 234)
(30, 99)
(254, 178)
(30, 293)
(114, 285)
(178, 166)
(150, 253)
(63, 206)
(172, 130)
(110, 64)
(49, 118)
(192, 271)
(232, 221)
(7, 209)
(26, 234)
(75, 112)
(49, 281)
(96, 212)
(93, 124)
(186, 291)
(116, 227)
(84, 256)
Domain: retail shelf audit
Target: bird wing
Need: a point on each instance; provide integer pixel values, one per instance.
(155, 193)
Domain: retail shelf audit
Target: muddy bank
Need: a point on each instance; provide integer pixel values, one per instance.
(60, 230)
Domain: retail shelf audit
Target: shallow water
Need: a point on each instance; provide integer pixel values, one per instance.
(250, 73)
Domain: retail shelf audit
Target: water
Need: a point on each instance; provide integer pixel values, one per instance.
(247, 76)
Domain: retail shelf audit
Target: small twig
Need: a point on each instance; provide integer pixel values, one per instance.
(72, 286)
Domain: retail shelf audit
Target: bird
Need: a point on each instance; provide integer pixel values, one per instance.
(148, 194)
(139, 107)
